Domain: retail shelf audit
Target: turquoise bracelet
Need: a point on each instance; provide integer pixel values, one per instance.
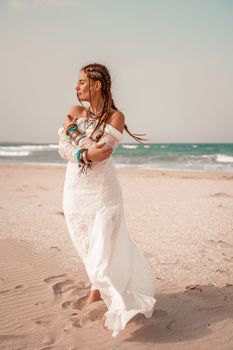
(78, 155)
(71, 129)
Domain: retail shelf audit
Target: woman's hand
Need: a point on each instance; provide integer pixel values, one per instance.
(69, 120)
(99, 153)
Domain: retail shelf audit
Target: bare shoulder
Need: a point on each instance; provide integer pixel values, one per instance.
(76, 111)
(117, 120)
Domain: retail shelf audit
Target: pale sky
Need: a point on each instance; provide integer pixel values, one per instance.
(171, 63)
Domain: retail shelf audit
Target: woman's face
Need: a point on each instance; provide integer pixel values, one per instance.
(82, 87)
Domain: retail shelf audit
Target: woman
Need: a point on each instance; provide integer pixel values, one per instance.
(92, 203)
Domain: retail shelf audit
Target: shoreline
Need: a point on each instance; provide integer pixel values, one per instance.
(149, 171)
(122, 168)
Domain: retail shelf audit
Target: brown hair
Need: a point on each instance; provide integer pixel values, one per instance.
(96, 71)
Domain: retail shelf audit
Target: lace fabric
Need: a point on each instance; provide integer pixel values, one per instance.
(80, 227)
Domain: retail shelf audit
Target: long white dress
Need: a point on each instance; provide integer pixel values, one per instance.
(94, 214)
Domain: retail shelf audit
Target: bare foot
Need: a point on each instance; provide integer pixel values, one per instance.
(94, 296)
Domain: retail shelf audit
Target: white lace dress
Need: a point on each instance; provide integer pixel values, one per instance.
(94, 215)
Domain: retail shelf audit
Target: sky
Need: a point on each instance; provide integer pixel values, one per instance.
(171, 63)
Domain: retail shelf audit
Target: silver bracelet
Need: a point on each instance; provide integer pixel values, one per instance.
(78, 138)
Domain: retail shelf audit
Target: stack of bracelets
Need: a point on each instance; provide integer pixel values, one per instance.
(81, 156)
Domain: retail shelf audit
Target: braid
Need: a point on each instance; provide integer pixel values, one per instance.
(97, 71)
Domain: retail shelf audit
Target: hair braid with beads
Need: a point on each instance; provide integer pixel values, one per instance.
(97, 71)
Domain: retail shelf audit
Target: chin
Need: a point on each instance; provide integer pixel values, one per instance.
(82, 99)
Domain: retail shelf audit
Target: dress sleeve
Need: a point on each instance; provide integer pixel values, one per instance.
(111, 137)
(66, 148)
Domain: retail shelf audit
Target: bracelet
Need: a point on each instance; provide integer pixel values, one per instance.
(79, 137)
(81, 155)
(85, 163)
(70, 128)
(85, 157)
(72, 133)
(78, 155)
(71, 125)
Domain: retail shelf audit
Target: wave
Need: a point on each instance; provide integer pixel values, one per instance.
(14, 153)
(224, 158)
(207, 156)
(129, 146)
(52, 146)
(29, 147)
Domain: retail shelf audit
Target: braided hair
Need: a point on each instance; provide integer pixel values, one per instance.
(97, 71)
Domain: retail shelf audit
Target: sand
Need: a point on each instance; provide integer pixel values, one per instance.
(182, 221)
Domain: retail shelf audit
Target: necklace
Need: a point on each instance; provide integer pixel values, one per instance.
(96, 115)
(92, 117)
(89, 120)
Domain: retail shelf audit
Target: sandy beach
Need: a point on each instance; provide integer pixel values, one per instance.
(183, 223)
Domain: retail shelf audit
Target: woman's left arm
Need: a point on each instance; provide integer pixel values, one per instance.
(112, 136)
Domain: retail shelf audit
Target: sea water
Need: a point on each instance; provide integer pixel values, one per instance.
(214, 157)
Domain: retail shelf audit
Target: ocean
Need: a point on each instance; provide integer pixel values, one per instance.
(213, 157)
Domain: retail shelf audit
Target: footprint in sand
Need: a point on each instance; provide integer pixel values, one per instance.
(52, 278)
(62, 287)
(19, 286)
(6, 291)
(55, 247)
(90, 313)
(80, 303)
(43, 321)
(3, 292)
(80, 293)
(66, 304)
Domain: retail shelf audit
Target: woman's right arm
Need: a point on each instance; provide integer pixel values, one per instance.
(68, 150)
